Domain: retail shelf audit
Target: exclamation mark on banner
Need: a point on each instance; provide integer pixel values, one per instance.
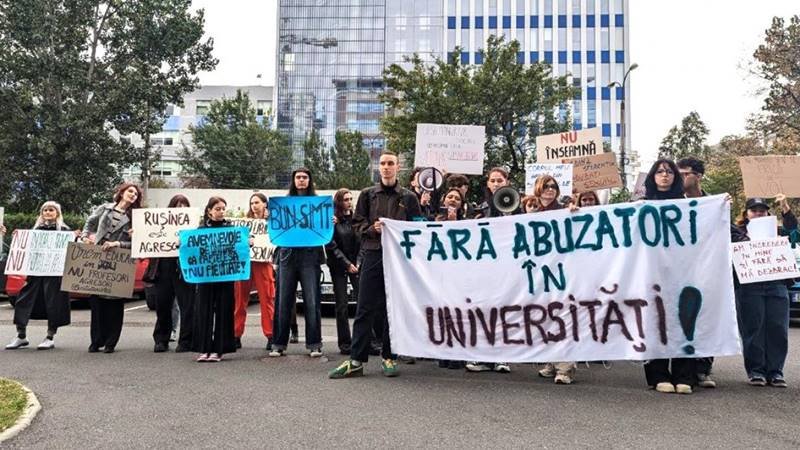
(689, 304)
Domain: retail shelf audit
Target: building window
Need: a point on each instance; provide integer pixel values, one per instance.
(202, 107)
(479, 22)
(263, 107)
(451, 23)
(576, 39)
(619, 20)
(562, 21)
(506, 22)
(464, 21)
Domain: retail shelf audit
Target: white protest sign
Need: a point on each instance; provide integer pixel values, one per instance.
(518, 288)
(762, 228)
(764, 260)
(155, 230)
(38, 253)
(452, 148)
(262, 249)
(561, 172)
(570, 144)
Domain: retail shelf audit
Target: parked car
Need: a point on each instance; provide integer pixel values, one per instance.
(794, 301)
(14, 284)
(326, 285)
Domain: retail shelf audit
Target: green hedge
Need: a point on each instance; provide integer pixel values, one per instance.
(25, 221)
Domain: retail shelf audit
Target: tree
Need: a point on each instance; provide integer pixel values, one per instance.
(233, 150)
(515, 102)
(70, 71)
(688, 139)
(350, 161)
(317, 159)
(778, 63)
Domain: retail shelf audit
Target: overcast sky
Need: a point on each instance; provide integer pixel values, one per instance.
(692, 55)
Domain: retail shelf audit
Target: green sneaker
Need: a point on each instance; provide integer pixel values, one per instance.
(347, 370)
(389, 368)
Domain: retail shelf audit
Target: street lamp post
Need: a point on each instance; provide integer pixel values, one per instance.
(623, 130)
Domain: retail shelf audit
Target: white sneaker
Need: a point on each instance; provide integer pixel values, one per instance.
(683, 389)
(17, 343)
(477, 367)
(563, 378)
(502, 368)
(46, 344)
(316, 353)
(666, 387)
(277, 353)
(705, 381)
(549, 371)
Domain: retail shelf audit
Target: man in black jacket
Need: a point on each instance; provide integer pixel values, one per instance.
(387, 199)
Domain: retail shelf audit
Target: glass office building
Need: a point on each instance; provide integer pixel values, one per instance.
(331, 55)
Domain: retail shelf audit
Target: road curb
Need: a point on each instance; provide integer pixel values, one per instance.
(31, 410)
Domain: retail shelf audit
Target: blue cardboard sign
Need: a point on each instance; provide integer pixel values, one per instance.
(300, 221)
(209, 255)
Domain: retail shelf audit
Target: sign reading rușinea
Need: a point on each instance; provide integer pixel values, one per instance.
(90, 270)
(764, 260)
(155, 230)
(38, 253)
(552, 148)
(452, 148)
(768, 176)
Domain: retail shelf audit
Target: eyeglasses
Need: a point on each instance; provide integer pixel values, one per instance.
(551, 186)
(664, 172)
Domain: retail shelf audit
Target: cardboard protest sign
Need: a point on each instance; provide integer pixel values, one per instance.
(764, 260)
(561, 172)
(262, 248)
(590, 173)
(768, 176)
(90, 270)
(639, 191)
(451, 148)
(155, 230)
(524, 294)
(209, 255)
(300, 221)
(552, 148)
(38, 253)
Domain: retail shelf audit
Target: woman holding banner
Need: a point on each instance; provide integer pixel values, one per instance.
(299, 264)
(495, 180)
(343, 263)
(213, 318)
(762, 308)
(41, 297)
(663, 183)
(262, 276)
(110, 226)
(168, 284)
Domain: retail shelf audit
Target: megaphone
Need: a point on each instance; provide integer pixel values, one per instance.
(430, 179)
(506, 199)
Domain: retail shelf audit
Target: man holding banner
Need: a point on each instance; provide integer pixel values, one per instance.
(385, 200)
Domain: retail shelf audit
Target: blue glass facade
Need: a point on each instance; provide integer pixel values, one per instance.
(331, 55)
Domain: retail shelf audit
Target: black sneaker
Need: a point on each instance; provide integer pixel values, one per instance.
(238, 343)
(160, 347)
(778, 383)
(269, 344)
(182, 349)
(757, 381)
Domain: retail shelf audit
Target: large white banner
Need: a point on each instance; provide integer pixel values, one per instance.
(452, 148)
(155, 230)
(38, 253)
(632, 281)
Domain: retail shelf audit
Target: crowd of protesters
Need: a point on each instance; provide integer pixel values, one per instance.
(212, 315)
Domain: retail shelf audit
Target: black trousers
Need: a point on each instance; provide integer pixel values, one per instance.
(213, 319)
(106, 324)
(339, 279)
(683, 371)
(371, 307)
(703, 365)
(168, 286)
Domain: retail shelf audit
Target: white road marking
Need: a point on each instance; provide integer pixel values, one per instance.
(136, 307)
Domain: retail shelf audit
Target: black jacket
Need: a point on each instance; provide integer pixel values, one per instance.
(379, 201)
(343, 248)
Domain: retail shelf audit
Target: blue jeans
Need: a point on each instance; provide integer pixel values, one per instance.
(298, 264)
(763, 315)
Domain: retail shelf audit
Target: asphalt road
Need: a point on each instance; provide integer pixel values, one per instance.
(137, 399)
